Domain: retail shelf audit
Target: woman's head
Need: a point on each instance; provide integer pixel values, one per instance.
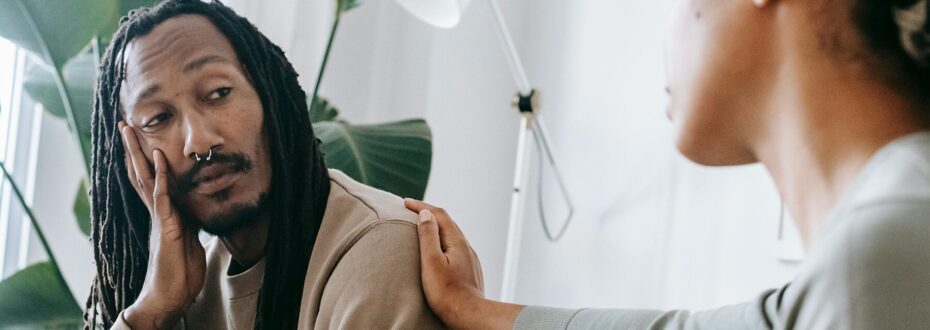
(732, 62)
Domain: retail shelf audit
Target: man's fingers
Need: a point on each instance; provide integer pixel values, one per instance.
(430, 249)
(139, 163)
(130, 170)
(164, 212)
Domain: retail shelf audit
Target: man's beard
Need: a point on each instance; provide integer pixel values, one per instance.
(232, 218)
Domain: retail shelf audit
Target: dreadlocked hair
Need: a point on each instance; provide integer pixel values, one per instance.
(121, 221)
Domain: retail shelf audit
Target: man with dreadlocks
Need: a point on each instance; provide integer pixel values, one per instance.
(199, 123)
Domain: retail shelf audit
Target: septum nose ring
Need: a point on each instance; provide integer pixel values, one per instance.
(207, 158)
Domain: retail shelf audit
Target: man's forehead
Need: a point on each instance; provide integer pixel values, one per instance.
(173, 41)
(170, 48)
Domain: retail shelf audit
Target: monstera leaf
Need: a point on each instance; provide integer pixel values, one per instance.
(35, 298)
(395, 157)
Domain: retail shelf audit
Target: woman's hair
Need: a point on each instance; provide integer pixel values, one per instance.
(299, 182)
(898, 35)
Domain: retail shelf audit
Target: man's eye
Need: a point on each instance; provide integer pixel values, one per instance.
(219, 93)
(161, 118)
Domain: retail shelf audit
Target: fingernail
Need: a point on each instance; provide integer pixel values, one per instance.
(425, 216)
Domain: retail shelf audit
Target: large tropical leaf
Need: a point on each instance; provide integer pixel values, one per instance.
(346, 5)
(395, 157)
(53, 29)
(81, 208)
(35, 298)
(78, 74)
(321, 110)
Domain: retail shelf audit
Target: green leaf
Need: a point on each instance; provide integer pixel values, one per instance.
(53, 29)
(321, 110)
(346, 5)
(81, 209)
(35, 298)
(79, 74)
(395, 157)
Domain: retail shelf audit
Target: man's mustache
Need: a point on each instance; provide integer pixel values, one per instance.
(185, 182)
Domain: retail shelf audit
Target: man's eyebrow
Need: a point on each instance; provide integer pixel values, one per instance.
(148, 92)
(202, 61)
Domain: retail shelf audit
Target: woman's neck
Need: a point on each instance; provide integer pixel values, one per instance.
(822, 129)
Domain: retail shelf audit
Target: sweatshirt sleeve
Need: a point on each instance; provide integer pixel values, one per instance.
(868, 272)
(376, 284)
(750, 315)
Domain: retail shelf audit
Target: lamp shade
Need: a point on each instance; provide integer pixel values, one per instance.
(439, 13)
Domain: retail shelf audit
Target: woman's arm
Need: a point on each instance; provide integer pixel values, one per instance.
(452, 281)
(451, 275)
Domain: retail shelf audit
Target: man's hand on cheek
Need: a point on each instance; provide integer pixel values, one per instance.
(177, 261)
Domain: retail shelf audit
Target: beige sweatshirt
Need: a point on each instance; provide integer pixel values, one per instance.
(364, 272)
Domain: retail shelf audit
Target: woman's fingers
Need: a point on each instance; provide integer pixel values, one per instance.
(163, 216)
(448, 230)
(430, 248)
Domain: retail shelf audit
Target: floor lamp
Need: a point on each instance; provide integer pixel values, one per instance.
(446, 14)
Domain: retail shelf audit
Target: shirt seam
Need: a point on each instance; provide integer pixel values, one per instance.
(363, 201)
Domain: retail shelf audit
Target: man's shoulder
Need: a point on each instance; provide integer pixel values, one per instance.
(362, 205)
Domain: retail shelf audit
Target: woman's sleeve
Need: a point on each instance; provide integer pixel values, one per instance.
(757, 314)
(870, 271)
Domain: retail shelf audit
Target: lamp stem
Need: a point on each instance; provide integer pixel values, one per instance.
(530, 123)
(510, 51)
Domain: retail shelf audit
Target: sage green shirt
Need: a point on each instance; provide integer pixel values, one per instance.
(868, 269)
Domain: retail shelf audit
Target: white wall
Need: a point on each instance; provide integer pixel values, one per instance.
(58, 174)
(652, 229)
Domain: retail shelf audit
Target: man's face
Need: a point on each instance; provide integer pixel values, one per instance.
(186, 93)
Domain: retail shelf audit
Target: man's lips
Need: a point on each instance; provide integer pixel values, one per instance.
(215, 177)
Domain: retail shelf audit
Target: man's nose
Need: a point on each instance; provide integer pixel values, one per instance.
(201, 136)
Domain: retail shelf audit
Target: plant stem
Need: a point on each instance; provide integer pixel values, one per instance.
(329, 46)
(35, 224)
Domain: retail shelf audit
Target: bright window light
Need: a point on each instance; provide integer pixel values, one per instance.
(8, 120)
